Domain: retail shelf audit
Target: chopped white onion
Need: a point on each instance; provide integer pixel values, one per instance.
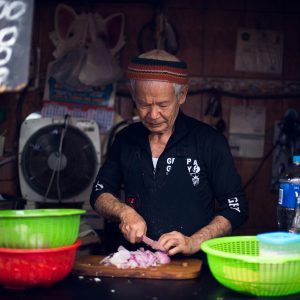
(124, 259)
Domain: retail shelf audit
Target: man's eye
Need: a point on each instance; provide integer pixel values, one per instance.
(143, 105)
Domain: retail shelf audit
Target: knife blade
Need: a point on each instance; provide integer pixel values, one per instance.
(153, 244)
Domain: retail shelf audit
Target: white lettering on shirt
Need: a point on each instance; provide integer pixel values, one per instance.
(99, 186)
(234, 203)
(194, 170)
(170, 161)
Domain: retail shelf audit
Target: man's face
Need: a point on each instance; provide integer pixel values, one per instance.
(157, 104)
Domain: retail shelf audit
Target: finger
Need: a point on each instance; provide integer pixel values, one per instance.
(164, 244)
(175, 250)
(132, 236)
(139, 235)
(169, 244)
(126, 232)
(122, 228)
(164, 239)
(167, 236)
(125, 228)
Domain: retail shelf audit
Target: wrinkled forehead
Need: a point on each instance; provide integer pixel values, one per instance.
(151, 89)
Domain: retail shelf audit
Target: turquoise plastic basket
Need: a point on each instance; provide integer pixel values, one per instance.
(236, 264)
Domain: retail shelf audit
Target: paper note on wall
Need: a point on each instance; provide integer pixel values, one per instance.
(247, 131)
(259, 51)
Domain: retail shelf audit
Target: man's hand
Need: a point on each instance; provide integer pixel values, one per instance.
(175, 242)
(132, 225)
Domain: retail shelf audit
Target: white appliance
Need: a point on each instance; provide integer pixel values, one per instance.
(58, 160)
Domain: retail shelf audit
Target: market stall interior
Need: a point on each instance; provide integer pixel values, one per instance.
(64, 98)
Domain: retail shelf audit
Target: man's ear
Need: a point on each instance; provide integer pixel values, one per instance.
(183, 94)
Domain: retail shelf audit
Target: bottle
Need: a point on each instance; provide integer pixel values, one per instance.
(289, 196)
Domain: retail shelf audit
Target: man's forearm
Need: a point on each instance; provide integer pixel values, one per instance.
(110, 206)
(218, 227)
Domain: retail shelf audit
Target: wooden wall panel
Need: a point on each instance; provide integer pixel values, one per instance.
(193, 106)
(194, 4)
(189, 24)
(291, 6)
(264, 20)
(225, 4)
(291, 67)
(265, 6)
(219, 42)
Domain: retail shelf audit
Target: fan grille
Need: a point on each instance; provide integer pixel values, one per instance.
(73, 172)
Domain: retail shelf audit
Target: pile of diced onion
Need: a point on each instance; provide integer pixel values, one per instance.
(141, 258)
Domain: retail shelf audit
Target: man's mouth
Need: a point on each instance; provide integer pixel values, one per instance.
(154, 124)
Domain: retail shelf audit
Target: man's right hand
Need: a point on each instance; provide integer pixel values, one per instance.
(132, 225)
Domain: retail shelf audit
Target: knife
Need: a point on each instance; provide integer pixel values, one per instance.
(153, 244)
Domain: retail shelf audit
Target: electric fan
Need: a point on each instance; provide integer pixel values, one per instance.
(58, 159)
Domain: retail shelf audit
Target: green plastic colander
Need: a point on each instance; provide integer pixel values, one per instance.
(236, 264)
(39, 228)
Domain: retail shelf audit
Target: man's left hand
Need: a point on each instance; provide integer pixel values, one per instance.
(175, 242)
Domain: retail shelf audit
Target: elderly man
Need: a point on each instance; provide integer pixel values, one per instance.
(172, 167)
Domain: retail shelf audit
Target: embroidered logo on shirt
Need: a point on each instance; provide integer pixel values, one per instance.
(194, 170)
(131, 201)
(170, 161)
(99, 187)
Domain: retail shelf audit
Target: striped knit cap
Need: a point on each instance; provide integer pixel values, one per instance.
(158, 65)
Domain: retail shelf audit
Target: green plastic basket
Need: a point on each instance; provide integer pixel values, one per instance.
(39, 228)
(236, 264)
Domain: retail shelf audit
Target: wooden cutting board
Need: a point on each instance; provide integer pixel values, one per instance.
(188, 268)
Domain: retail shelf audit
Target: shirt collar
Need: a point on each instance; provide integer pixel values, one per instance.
(181, 129)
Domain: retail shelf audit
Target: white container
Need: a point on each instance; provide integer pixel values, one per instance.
(278, 243)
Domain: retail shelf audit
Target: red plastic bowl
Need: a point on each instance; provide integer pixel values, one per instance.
(24, 268)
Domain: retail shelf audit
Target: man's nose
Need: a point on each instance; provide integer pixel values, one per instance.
(154, 112)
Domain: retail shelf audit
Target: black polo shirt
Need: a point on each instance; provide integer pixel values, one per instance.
(195, 169)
